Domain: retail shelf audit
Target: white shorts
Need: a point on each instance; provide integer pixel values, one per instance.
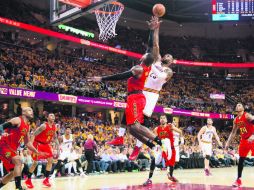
(158, 151)
(63, 155)
(151, 101)
(157, 155)
(207, 149)
(177, 148)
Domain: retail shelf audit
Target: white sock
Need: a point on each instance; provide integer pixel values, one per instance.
(139, 143)
(121, 132)
(80, 170)
(54, 173)
(75, 167)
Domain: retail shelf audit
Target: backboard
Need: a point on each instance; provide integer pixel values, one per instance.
(63, 11)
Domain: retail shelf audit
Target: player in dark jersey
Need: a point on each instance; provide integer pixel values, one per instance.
(164, 132)
(245, 123)
(16, 132)
(42, 137)
(136, 100)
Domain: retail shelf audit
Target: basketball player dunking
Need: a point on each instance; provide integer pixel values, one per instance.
(42, 138)
(136, 100)
(245, 122)
(16, 132)
(164, 132)
(206, 143)
(160, 73)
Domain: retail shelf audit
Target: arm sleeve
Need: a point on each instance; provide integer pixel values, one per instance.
(150, 42)
(119, 76)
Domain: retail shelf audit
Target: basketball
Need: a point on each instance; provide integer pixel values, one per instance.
(159, 10)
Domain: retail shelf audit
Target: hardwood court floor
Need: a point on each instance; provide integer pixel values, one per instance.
(190, 180)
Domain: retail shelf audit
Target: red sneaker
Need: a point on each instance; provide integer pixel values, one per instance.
(207, 172)
(118, 141)
(134, 153)
(148, 182)
(173, 179)
(46, 182)
(238, 183)
(29, 184)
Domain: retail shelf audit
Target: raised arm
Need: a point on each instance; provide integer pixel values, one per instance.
(153, 41)
(232, 135)
(150, 42)
(156, 47)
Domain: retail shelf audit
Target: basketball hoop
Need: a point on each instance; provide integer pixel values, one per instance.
(107, 18)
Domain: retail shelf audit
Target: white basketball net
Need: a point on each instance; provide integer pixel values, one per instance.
(107, 18)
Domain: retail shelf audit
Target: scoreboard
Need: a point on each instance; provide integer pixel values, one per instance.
(232, 10)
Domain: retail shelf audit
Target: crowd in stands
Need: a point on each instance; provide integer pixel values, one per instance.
(215, 50)
(23, 67)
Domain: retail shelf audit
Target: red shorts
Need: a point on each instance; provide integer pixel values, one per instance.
(245, 147)
(42, 148)
(172, 161)
(134, 110)
(6, 155)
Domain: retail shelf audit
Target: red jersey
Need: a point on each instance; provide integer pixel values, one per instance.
(134, 84)
(245, 126)
(166, 132)
(16, 136)
(46, 136)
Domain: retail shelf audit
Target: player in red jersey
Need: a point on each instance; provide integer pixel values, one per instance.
(245, 123)
(42, 137)
(164, 132)
(136, 100)
(16, 131)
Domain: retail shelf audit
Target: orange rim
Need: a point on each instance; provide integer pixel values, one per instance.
(112, 13)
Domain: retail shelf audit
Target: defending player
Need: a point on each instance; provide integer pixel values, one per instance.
(136, 100)
(207, 132)
(245, 122)
(165, 132)
(42, 138)
(160, 73)
(16, 133)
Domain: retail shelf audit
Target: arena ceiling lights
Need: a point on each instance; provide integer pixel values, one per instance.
(51, 33)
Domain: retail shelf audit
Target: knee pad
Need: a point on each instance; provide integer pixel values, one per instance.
(207, 157)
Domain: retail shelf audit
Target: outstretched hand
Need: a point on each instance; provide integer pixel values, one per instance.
(94, 79)
(154, 23)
